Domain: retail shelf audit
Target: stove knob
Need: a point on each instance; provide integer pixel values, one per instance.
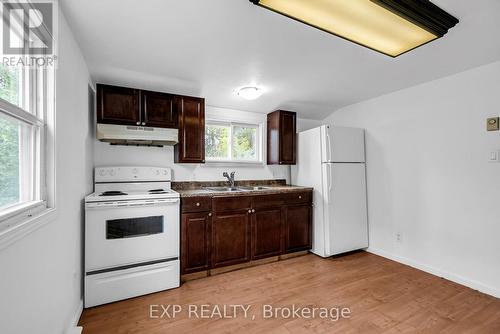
(102, 172)
(135, 171)
(157, 172)
(165, 172)
(112, 172)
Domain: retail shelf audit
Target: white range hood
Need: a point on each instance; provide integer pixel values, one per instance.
(136, 135)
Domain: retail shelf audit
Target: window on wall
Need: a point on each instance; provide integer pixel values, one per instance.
(232, 142)
(23, 105)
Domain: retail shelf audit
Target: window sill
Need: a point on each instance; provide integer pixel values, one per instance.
(226, 163)
(14, 232)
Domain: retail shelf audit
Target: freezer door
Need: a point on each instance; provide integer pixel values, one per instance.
(343, 144)
(346, 215)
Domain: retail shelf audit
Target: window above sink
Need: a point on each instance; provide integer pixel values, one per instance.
(230, 142)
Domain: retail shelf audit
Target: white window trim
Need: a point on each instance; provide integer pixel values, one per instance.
(22, 219)
(234, 162)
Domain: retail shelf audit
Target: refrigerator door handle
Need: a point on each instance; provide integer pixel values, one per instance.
(330, 183)
(329, 146)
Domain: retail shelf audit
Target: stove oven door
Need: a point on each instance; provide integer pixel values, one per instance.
(127, 233)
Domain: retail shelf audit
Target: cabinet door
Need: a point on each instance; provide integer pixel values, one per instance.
(158, 110)
(191, 146)
(266, 233)
(298, 227)
(231, 238)
(288, 135)
(118, 105)
(281, 138)
(195, 241)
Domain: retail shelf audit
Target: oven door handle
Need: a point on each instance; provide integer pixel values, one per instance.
(142, 203)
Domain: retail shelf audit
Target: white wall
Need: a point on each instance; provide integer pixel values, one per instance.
(40, 279)
(108, 155)
(429, 177)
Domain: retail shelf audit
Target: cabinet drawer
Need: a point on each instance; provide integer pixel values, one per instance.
(196, 204)
(267, 201)
(298, 197)
(235, 203)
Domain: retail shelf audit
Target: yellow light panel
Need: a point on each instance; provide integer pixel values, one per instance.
(361, 21)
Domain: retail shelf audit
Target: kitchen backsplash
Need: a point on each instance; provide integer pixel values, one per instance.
(114, 155)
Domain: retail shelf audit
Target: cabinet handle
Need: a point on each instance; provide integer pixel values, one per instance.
(210, 214)
(198, 204)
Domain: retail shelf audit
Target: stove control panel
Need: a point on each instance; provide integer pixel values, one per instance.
(132, 174)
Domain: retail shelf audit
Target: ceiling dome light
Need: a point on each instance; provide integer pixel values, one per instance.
(250, 93)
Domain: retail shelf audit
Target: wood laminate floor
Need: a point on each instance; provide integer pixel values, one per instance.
(383, 297)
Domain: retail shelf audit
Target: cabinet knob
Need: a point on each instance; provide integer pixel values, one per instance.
(253, 210)
(210, 214)
(300, 197)
(249, 211)
(143, 123)
(138, 123)
(198, 204)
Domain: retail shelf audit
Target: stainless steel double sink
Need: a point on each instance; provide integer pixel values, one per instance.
(240, 188)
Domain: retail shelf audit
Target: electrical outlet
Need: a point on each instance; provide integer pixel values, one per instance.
(398, 237)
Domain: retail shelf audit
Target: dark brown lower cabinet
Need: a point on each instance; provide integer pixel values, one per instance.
(228, 230)
(298, 227)
(231, 238)
(266, 233)
(196, 241)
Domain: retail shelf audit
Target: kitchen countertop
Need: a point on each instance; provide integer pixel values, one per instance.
(268, 190)
(193, 189)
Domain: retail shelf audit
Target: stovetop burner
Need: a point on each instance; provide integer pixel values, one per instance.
(113, 193)
(158, 191)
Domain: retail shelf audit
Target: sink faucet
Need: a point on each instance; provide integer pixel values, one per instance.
(230, 178)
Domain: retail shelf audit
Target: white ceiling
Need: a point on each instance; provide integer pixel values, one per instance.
(211, 47)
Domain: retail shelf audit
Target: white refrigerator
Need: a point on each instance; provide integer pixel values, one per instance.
(332, 161)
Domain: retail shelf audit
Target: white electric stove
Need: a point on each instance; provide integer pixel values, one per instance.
(131, 234)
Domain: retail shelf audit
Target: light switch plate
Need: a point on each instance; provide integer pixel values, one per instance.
(493, 156)
(492, 124)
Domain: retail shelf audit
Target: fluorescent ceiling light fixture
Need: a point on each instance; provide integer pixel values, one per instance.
(250, 93)
(391, 27)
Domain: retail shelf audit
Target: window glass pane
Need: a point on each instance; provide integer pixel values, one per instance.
(217, 141)
(10, 84)
(16, 159)
(244, 143)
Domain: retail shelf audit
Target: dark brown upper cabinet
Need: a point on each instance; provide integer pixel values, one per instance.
(158, 110)
(281, 138)
(129, 106)
(191, 146)
(118, 105)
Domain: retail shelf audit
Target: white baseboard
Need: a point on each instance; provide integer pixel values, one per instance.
(73, 327)
(475, 285)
